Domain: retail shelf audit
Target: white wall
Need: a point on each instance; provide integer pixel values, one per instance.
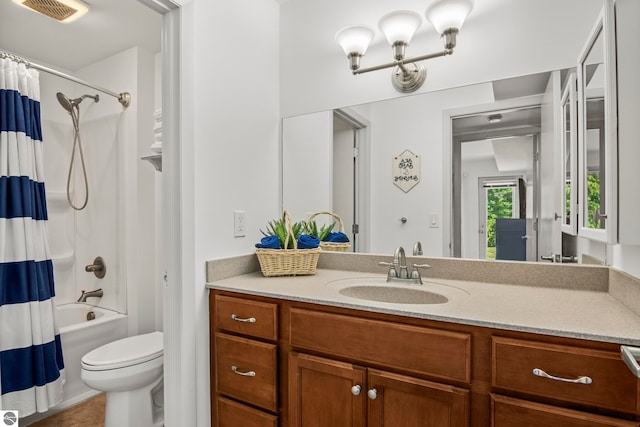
(414, 123)
(501, 38)
(307, 164)
(230, 149)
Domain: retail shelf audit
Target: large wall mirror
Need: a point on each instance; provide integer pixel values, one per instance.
(485, 135)
(483, 165)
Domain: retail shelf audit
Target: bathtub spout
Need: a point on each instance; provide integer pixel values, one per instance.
(97, 294)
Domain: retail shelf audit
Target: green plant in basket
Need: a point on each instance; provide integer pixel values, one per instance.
(312, 229)
(278, 228)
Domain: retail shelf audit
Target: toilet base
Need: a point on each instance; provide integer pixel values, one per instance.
(136, 408)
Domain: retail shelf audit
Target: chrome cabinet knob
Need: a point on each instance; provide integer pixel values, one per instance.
(372, 393)
(355, 390)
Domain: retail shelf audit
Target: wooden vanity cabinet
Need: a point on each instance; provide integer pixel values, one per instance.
(326, 392)
(244, 361)
(318, 366)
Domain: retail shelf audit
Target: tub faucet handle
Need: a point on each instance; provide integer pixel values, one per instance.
(99, 268)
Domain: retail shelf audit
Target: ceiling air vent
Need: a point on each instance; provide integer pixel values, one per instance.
(60, 10)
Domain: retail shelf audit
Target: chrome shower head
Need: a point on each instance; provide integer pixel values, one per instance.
(68, 104)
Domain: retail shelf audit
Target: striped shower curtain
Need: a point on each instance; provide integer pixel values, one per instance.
(31, 365)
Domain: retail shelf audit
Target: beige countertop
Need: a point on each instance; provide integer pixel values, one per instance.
(568, 311)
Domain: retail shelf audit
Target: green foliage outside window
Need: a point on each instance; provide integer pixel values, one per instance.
(567, 199)
(499, 205)
(593, 198)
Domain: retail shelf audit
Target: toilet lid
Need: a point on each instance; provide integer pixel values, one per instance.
(125, 352)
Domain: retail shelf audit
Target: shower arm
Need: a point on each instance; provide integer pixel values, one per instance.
(123, 98)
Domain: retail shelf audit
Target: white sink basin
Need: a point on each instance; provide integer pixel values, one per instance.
(379, 290)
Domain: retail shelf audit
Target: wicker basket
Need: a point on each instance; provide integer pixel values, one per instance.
(288, 262)
(332, 246)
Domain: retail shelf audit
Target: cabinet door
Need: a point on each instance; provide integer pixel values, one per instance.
(325, 393)
(398, 400)
(509, 412)
(597, 136)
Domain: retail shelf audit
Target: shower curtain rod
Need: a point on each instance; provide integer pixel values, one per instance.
(124, 98)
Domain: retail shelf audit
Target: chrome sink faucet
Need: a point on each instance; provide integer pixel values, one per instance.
(398, 271)
(400, 261)
(96, 294)
(417, 249)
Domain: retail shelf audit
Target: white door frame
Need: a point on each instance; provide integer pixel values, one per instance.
(482, 207)
(178, 325)
(447, 157)
(362, 200)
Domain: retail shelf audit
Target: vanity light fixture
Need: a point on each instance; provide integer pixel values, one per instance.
(447, 16)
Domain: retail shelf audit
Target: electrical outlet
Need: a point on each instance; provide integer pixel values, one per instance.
(239, 223)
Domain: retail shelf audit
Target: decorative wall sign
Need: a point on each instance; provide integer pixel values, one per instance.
(406, 170)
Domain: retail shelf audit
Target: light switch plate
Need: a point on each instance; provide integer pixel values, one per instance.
(434, 220)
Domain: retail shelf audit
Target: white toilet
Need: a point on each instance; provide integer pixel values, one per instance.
(130, 371)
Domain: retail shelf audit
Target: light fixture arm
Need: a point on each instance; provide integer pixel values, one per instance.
(404, 61)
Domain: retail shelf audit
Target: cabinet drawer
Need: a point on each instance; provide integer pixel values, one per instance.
(421, 350)
(234, 414)
(247, 317)
(612, 385)
(509, 412)
(246, 370)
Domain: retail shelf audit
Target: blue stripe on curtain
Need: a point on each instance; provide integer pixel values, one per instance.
(14, 118)
(26, 285)
(21, 197)
(20, 275)
(17, 366)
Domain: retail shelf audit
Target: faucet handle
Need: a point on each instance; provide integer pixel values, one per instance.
(392, 269)
(415, 274)
(421, 266)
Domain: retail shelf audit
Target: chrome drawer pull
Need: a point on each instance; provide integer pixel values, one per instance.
(244, 374)
(246, 320)
(580, 380)
(630, 355)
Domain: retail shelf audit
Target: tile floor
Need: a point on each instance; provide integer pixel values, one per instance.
(89, 413)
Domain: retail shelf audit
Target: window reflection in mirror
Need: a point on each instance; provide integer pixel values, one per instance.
(569, 148)
(594, 155)
(567, 161)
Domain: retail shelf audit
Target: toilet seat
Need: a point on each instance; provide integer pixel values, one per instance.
(125, 352)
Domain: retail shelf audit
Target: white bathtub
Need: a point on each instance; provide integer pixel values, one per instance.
(79, 336)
